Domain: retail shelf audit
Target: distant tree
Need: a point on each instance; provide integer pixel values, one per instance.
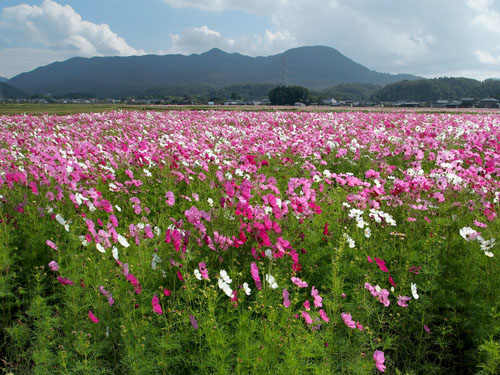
(288, 95)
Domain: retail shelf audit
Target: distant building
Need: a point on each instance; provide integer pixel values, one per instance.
(488, 103)
(468, 103)
(453, 104)
(440, 104)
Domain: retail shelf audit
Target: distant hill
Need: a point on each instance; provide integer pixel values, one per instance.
(3, 79)
(439, 88)
(315, 67)
(9, 92)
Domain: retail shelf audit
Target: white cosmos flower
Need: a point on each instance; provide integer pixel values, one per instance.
(83, 240)
(114, 252)
(225, 287)
(486, 244)
(468, 233)
(197, 273)
(100, 248)
(210, 202)
(123, 241)
(269, 253)
(60, 220)
(349, 241)
(247, 289)
(368, 232)
(225, 277)
(414, 291)
(272, 282)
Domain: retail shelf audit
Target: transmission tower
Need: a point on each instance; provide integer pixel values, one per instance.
(284, 63)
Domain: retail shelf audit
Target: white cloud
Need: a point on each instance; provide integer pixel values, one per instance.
(255, 6)
(58, 26)
(487, 58)
(201, 39)
(198, 40)
(487, 16)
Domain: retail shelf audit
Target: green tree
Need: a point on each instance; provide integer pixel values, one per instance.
(288, 95)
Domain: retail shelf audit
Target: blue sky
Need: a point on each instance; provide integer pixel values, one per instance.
(429, 38)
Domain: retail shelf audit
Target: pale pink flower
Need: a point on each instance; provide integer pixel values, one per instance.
(53, 266)
(286, 300)
(170, 198)
(347, 318)
(51, 244)
(317, 297)
(378, 357)
(298, 282)
(307, 317)
(193, 321)
(402, 301)
(323, 315)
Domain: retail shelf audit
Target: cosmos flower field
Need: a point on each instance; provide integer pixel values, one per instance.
(216, 242)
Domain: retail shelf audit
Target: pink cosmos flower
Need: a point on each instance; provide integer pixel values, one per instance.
(480, 224)
(92, 317)
(193, 321)
(317, 297)
(51, 244)
(170, 198)
(64, 281)
(323, 315)
(286, 300)
(391, 280)
(402, 301)
(381, 264)
(384, 297)
(156, 305)
(167, 292)
(427, 329)
(53, 266)
(307, 317)
(359, 326)
(298, 282)
(378, 357)
(347, 318)
(307, 305)
(254, 270)
(203, 270)
(135, 283)
(371, 289)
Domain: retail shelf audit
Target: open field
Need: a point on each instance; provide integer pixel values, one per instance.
(235, 242)
(69, 109)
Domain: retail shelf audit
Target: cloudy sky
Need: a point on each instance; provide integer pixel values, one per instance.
(429, 38)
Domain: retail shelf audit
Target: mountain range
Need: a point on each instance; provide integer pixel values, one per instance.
(315, 67)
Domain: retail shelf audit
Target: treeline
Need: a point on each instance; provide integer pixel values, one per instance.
(422, 90)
